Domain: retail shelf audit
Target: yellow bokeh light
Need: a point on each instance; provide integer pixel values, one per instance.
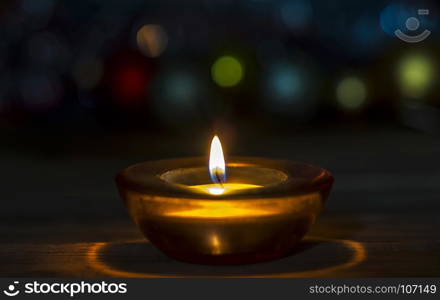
(227, 71)
(416, 74)
(351, 93)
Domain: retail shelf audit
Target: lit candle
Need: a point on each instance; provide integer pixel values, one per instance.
(217, 173)
(243, 211)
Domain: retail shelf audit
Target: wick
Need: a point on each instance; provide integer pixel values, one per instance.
(217, 176)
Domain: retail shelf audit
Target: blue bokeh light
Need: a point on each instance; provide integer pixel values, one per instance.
(177, 95)
(181, 89)
(287, 92)
(367, 34)
(284, 83)
(296, 14)
(395, 15)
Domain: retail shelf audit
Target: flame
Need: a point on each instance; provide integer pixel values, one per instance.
(217, 168)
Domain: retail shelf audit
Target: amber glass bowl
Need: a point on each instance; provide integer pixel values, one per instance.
(235, 228)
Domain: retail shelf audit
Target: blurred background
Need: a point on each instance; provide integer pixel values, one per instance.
(89, 87)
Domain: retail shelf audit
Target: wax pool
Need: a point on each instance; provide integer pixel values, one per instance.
(223, 189)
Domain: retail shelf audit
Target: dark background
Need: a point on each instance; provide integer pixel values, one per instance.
(89, 87)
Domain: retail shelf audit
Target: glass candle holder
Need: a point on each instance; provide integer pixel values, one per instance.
(260, 213)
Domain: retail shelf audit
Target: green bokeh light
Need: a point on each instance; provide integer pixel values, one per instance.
(227, 71)
(351, 93)
(416, 74)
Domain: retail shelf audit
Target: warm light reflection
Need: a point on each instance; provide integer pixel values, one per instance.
(97, 251)
(223, 212)
(217, 168)
(249, 208)
(216, 244)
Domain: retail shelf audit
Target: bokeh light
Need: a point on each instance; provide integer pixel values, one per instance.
(287, 89)
(397, 15)
(284, 83)
(178, 94)
(296, 14)
(130, 84)
(151, 59)
(351, 93)
(127, 77)
(227, 71)
(366, 35)
(151, 40)
(183, 88)
(416, 74)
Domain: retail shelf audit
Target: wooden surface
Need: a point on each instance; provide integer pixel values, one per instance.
(61, 215)
(338, 246)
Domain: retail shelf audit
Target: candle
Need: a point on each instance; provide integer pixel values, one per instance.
(243, 211)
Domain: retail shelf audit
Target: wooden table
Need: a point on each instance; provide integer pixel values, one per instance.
(338, 246)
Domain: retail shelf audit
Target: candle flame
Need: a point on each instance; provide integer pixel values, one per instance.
(217, 168)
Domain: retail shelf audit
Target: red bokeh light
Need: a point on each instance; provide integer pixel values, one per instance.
(130, 83)
(129, 74)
